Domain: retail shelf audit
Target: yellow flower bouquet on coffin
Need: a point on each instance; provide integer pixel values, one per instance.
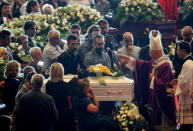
(100, 68)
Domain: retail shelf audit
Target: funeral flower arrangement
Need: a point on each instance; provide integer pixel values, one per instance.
(138, 10)
(129, 118)
(172, 48)
(78, 14)
(100, 70)
(3, 64)
(18, 53)
(187, 11)
(45, 23)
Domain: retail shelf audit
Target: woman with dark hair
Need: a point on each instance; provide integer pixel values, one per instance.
(33, 7)
(5, 13)
(87, 107)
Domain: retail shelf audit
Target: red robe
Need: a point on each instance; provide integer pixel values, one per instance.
(170, 8)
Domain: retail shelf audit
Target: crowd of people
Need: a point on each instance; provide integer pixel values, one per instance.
(34, 104)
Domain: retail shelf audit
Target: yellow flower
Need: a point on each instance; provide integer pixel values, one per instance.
(126, 9)
(91, 17)
(38, 31)
(58, 22)
(121, 112)
(68, 17)
(118, 117)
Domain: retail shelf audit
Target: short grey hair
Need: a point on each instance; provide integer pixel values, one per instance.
(34, 50)
(21, 38)
(37, 80)
(52, 33)
(47, 8)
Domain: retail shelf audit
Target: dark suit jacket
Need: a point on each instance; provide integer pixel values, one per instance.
(31, 43)
(177, 62)
(36, 112)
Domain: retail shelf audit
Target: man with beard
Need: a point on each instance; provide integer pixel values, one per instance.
(87, 45)
(69, 58)
(97, 54)
(109, 44)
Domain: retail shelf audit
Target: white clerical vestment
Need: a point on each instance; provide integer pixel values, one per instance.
(184, 91)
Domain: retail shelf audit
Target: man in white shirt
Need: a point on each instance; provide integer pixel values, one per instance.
(185, 87)
(129, 49)
(52, 50)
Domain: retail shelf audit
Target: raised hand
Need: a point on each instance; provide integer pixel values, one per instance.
(123, 59)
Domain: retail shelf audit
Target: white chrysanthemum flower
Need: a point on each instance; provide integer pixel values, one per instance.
(41, 44)
(19, 47)
(126, 9)
(22, 53)
(58, 22)
(148, 9)
(91, 17)
(19, 54)
(124, 124)
(38, 31)
(12, 45)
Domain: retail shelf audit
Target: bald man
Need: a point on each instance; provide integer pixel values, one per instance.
(129, 49)
(52, 50)
(36, 110)
(187, 34)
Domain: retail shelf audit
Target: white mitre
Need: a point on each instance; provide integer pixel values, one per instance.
(155, 41)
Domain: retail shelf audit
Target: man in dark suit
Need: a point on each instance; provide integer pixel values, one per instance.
(187, 34)
(69, 58)
(36, 111)
(30, 31)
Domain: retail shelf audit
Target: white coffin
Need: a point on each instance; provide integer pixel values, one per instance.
(117, 89)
